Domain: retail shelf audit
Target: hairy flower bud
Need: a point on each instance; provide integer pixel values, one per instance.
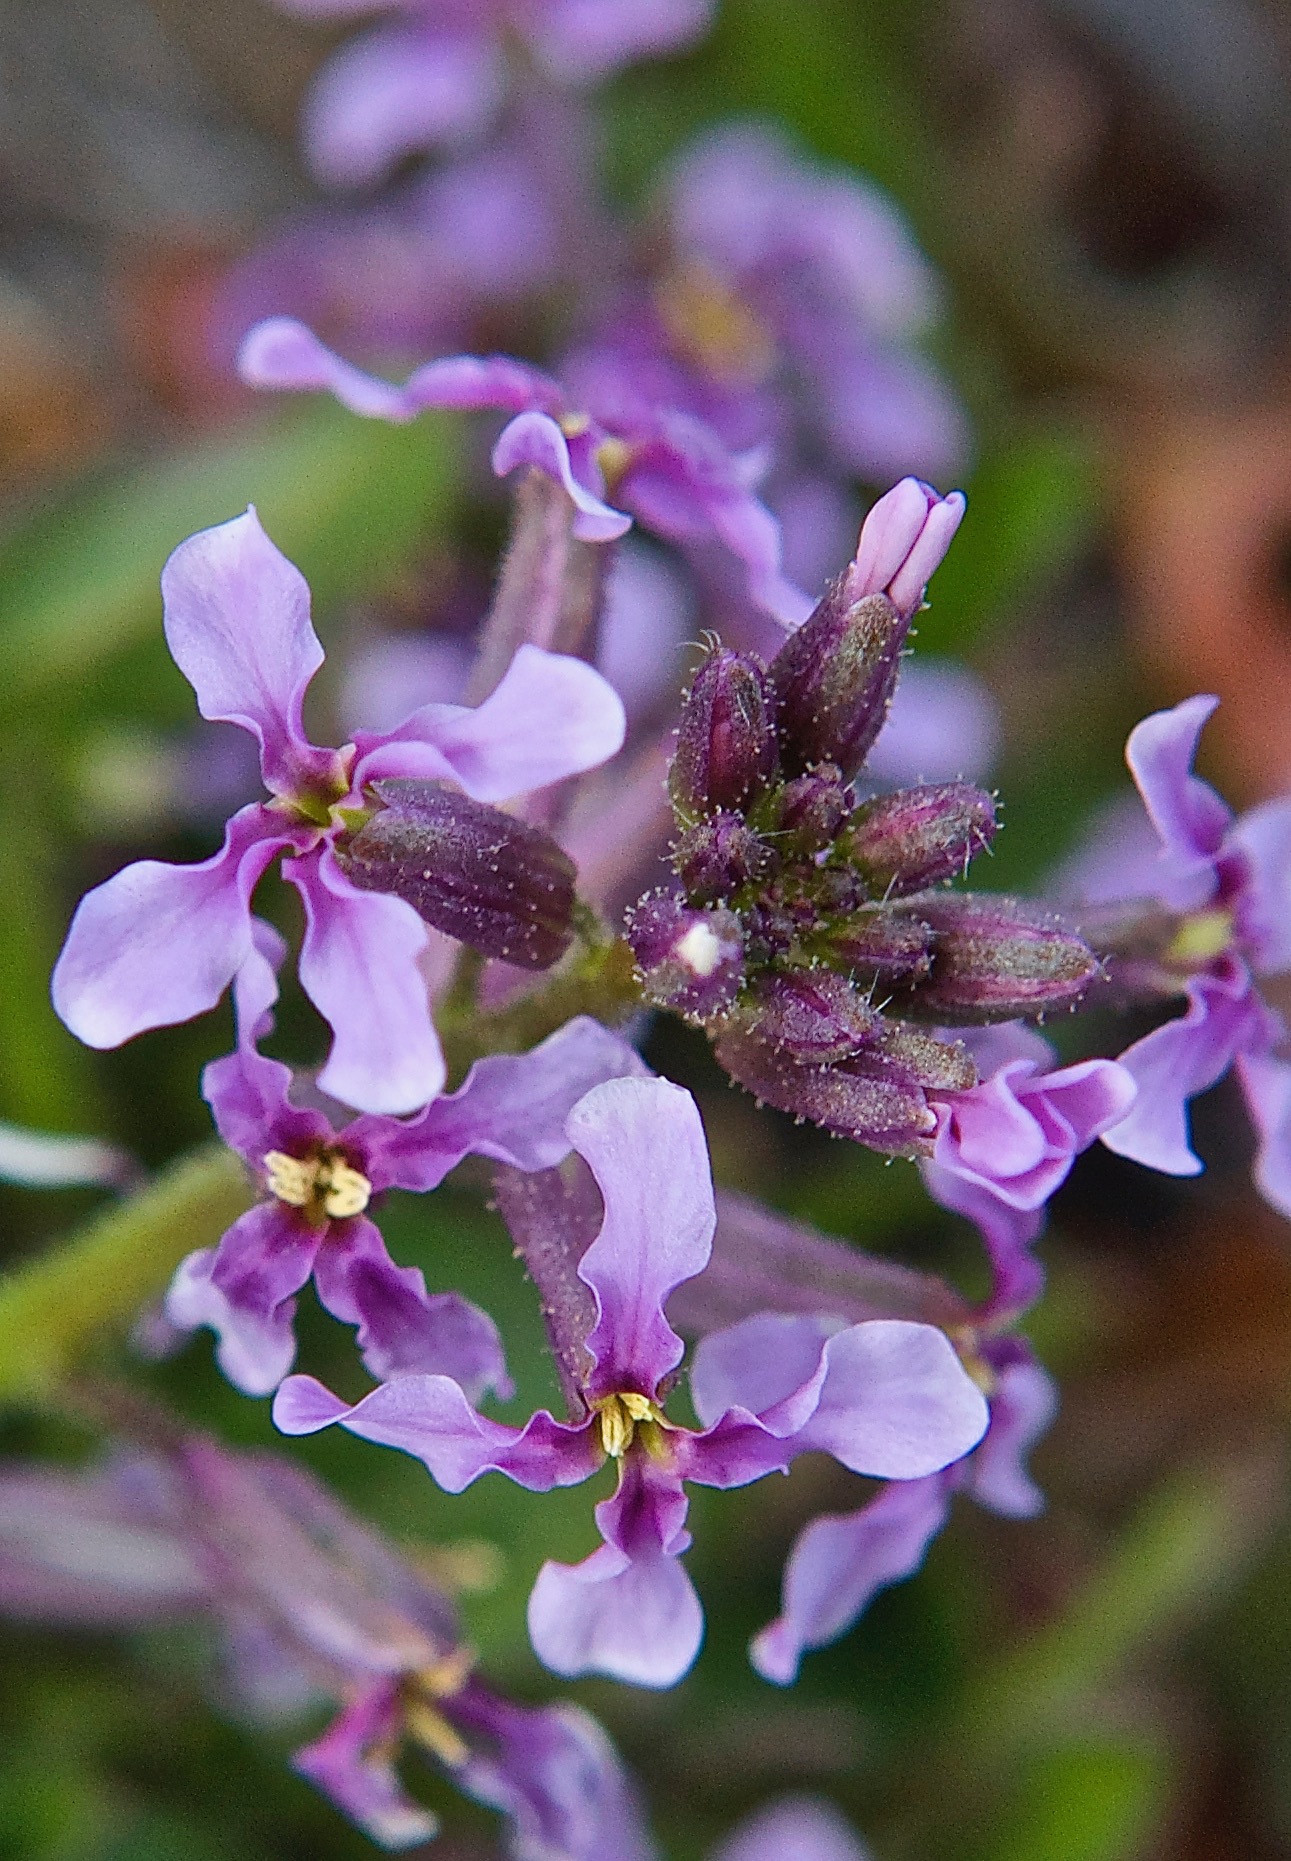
(920, 1059)
(833, 680)
(812, 1015)
(810, 810)
(491, 881)
(995, 959)
(885, 1113)
(690, 960)
(726, 747)
(919, 836)
(882, 941)
(718, 855)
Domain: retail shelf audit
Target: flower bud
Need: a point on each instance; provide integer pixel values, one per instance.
(489, 880)
(920, 1059)
(810, 810)
(726, 747)
(918, 836)
(719, 854)
(888, 943)
(833, 680)
(903, 539)
(995, 959)
(884, 1113)
(811, 1015)
(689, 960)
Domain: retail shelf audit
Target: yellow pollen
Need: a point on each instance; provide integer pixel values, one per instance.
(573, 426)
(614, 457)
(712, 327)
(323, 1185)
(619, 1418)
(1201, 937)
(428, 1726)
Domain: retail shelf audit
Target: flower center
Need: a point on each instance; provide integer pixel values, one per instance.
(424, 1722)
(712, 328)
(319, 794)
(1200, 938)
(620, 1417)
(325, 1185)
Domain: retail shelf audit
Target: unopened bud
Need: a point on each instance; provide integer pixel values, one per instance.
(726, 746)
(493, 882)
(689, 960)
(903, 539)
(810, 1014)
(918, 836)
(885, 1114)
(810, 810)
(718, 855)
(921, 1059)
(995, 959)
(887, 943)
(833, 680)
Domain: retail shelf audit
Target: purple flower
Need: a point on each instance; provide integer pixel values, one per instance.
(886, 1398)
(795, 1828)
(439, 74)
(1229, 881)
(601, 436)
(158, 944)
(321, 1180)
(313, 1603)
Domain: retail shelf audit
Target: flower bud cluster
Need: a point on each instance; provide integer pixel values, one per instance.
(813, 936)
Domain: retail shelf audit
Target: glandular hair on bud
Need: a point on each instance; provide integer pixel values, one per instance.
(726, 746)
(833, 681)
(689, 959)
(917, 837)
(493, 882)
(718, 855)
(879, 942)
(810, 810)
(887, 1114)
(997, 959)
(812, 1015)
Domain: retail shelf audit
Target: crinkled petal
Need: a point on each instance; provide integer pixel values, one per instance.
(1266, 1083)
(1171, 1065)
(550, 717)
(512, 1107)
(759, 1365)
(236, 616)
(581, 41)
(1023, 1405)
(534, 439)
(797, 1828)
(157, 944)
(1187, 813)
(1264, 911)
(282, 353)
(353, 1766)
(358, 965)
(402, 1328)
(636, 1619)
(430, 1418)
(840, 1563)
(896, 1402)
(644, 1143)
(393, 92)
(244, 1290)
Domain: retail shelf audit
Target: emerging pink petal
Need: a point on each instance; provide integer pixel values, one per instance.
(535, 440)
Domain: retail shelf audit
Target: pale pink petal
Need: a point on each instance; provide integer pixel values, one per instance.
(535, 440)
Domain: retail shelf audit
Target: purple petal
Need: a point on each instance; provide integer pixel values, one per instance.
(903, 539)
(896, 1402)
(798, 1828)
(1187, 813)
(1023, 1405)
(759, 1365)
(551, 717)
(580, 41)
(402, 1328)
(644, 1143)
(157, 944)
(358, 965)
(282, 353)
(243, 1289)
(1266, 1084)
(1007, 1231)
(430, 1418)
(255, 987)
(840, 1563)
(394, 92)
(636, 1619)
(512, 1107)
(535, 440)
(236, 616)
(352, 1764)
(1175, 1062)
(1264, 910)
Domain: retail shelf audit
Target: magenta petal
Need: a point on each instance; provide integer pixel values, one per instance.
(1023, 1405)
(1171, 1065)
(352, 1764)
(358, 965)
(158, 944)
(534, 439)
(551, 716)
(394, 92)
(244, 1290)
(1186, 812)
(1266, 1083)
(644, 1143)
(430, 1418)
(403, 1328)
(896, 1401)
(236, 617)
(798, 1828)
(839, 1564)
(636, 1619)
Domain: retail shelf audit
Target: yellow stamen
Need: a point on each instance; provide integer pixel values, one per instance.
(325, 1184)
(1200, 938)
(614, 457)
(291, 1179)
(620, 1417)
(573, 426)
(712, 327)
(434, 1734)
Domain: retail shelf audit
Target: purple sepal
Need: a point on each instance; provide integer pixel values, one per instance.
(690, 958)
(919, 836)
(726, 746)
(351, 1764)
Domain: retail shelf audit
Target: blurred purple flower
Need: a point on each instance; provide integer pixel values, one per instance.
(321, 1180)
(886, 1398)
(794, 1828)
(158, 944)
